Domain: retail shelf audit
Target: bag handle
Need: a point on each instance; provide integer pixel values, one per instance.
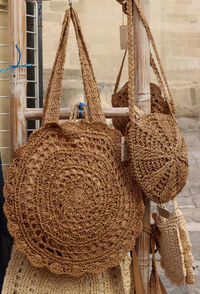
(120, 73)
(131, 61)
(150, 36)
(51, 109)
(155, 69)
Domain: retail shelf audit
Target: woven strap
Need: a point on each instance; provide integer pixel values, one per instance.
(162, 209)
(138, 283)
(131, 60)
(149, 33)
(52, 102)
(120, 73)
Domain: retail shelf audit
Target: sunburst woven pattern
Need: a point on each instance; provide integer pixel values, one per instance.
(158, 156)
(70, 203)
(22, 278)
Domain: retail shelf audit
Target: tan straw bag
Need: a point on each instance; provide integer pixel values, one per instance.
(175, 246)
(70, 203)
(120, 97)
(157, 150)
(22, 278)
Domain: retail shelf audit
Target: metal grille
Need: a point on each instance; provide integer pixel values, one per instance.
(4, 92)
(33, 85)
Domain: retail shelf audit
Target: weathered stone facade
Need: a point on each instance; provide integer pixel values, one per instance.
(175, 25)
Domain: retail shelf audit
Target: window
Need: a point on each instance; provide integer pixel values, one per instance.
(34, 56)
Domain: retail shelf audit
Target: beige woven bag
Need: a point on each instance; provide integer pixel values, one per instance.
(22, 278)
(175, 246)
(157, 150)
(70, 203)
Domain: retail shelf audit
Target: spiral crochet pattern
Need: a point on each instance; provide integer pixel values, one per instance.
(70, 202)
(22, 278)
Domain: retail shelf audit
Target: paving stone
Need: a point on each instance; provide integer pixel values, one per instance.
(186, 202)
(196, 200)
(196, 189)
(195, 240)
(191, 214)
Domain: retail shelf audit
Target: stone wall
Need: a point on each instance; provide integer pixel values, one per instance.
(175, 25)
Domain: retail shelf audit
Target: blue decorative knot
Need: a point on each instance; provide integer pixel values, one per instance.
(11, 68)
(80, 108)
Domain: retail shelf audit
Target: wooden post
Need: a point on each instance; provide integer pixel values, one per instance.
(17, 22)
(142, 86)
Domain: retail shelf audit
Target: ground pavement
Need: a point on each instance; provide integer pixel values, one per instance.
(189, 202)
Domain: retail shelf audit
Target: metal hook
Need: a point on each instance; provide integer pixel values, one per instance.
(70, 3)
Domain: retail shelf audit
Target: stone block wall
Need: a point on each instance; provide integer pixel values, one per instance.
(175, 25)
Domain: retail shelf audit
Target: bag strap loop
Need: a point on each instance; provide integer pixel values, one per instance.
(150, 36)
(131, 60)
(51, 109)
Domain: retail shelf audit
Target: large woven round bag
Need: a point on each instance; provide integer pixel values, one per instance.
(69, 201)
(157, 150)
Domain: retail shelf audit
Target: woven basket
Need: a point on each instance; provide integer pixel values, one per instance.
(22, 277)
(70, 202)
(175, 247)
(157, 150)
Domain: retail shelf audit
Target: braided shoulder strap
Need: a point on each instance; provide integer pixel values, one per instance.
(52, 102)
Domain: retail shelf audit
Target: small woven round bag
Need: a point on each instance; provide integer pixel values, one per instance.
(70, 203)
(157, 150)
(120, 98)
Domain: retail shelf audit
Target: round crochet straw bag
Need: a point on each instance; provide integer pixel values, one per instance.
(120, 98)
(70, 203)
(157, 151)
(22, 277)
(175, 246)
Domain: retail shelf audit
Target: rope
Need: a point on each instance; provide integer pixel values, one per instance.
(120, 73)
(148, 30)
(131, 61)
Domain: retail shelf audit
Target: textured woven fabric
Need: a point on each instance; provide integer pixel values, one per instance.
(175, 248)
(22, 278)
(158, 102)
(157, 150)
(120, 99)
(70, 202)
(158, 156)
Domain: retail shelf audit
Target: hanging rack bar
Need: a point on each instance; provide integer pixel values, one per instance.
(110, 112)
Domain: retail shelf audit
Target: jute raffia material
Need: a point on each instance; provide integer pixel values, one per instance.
(70, 202)
(155, 284)
(157, 150)
(120, 99)
(175, 246)
(22, 278)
